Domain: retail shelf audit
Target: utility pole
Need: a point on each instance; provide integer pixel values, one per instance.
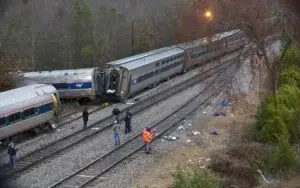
(132, 36)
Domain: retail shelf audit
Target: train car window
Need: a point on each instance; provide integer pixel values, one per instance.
(2, 121)
(157, 64)
(29, 112)
(163, 62)
(61, 85)
(167, 61)
(14, 117)
(171, 59)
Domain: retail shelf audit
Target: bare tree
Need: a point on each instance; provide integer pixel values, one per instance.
(258, 21)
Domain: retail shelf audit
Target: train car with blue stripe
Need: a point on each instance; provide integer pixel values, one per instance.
(33, 107)
(71, 84)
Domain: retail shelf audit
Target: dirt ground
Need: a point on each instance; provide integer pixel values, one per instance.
(196, 156)
(238, 120)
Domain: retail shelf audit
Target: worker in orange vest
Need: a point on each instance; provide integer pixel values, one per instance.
(147, 137)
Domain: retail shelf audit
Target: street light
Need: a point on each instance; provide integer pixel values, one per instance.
(208, 14)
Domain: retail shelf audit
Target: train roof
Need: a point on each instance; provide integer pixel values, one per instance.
(24, 94)
(167, 52)
(138, 56)
(58, 76)
(202, 41)
(225, 34)
(205, 40)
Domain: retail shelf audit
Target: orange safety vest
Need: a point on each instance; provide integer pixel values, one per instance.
(147, 136)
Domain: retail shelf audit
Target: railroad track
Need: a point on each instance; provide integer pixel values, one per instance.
(103, 164)
(63, 120)
(65, 143)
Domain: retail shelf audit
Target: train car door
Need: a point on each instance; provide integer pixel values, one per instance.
(99, 82)
(56, 105)
(113, 82)
(126, 84)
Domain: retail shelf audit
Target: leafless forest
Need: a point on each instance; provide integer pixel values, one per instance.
(61, 34)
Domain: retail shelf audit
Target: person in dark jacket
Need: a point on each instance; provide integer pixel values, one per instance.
(116, 130)
(12, 152)
(128, 122)
(116, 112)
(85, 116)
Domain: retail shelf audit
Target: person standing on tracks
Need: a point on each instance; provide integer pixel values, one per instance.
(128, 122)
(116, 112)
(85, 116)
(12, 152)
(147, 137)
(116, 130)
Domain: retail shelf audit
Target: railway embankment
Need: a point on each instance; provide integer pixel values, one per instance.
(232, 157)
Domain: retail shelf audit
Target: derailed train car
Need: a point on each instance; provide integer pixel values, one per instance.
(144, 71)
(33, 107)
(71, 84)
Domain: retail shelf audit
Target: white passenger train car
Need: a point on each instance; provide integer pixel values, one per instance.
(29, 107)
(75, 83)
(145, 70)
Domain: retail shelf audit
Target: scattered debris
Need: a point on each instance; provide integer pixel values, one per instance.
(58, 129)
(196, 132)
(208, 159)
(188, 141)
(171, 138)
(181, 127)
(95, 128)
(213, 133)
(136, 99)
(189, 160)
(219, 114)
(204, 112)
(263, 176)
(130, 103)
(202, 167)
(231, 115)
(110, 91)
(226, 104)
(189, 124)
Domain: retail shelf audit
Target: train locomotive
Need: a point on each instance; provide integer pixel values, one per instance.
(33, 107)
(125, 77)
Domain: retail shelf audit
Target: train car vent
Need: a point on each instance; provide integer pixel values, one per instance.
(66, 74)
